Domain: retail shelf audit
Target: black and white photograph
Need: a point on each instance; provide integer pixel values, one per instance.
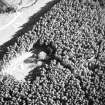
(52, 52)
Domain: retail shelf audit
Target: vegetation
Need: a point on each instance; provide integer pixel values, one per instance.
(71, 33)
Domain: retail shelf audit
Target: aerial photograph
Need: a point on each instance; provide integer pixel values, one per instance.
(52, 52)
